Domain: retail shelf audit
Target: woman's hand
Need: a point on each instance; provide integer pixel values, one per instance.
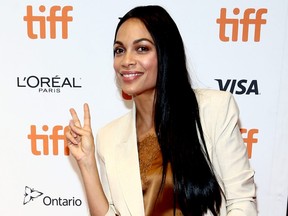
(81, 144)
(80, 138)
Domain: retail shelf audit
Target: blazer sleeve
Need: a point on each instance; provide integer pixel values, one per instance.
(232, 159)
(112, 210)
(104, 181)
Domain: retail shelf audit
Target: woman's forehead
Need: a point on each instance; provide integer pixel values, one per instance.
(133, 28)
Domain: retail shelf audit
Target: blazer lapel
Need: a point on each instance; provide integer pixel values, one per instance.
(128, 169)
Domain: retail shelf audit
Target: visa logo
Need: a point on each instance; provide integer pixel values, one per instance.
(239, 87)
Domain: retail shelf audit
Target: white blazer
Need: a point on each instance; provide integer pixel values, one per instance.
(119, 165)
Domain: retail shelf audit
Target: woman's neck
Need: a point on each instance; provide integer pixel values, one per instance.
(144, 113)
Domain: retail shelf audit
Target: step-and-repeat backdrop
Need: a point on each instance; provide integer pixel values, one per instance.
(58, 54)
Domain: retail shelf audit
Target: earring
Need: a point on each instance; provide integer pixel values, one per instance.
(126, 96)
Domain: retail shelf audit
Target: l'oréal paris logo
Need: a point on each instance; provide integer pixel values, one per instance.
(48, 84)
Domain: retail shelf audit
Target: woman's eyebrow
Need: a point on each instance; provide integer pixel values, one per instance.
(143, 39)
(118, 42)
(136, 41)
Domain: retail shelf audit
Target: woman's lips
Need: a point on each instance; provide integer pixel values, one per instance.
(127, 76)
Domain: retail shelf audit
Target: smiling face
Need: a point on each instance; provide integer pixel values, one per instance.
(135, 58)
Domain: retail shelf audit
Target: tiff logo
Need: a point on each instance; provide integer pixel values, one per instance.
(249, 139)
(52, 19)
(246, 22)
(42, 139)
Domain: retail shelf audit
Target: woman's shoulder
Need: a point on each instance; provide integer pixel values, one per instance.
(215, 103)
(212, 97)
(119, 123)
(208, 94)
(114, 133)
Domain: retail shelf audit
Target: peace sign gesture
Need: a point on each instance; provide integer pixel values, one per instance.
(80, 138)
(81, 144)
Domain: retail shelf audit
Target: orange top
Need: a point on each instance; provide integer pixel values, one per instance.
(150, 159)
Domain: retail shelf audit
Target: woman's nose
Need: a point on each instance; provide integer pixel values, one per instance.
(128, 60)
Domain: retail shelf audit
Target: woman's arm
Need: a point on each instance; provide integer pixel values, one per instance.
(81, 144)
(235, 170)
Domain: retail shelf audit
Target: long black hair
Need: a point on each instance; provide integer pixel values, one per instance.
(177, 120)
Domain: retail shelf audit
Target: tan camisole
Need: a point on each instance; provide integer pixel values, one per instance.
(150, 159)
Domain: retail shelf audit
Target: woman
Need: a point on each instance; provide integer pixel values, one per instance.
(179, 151)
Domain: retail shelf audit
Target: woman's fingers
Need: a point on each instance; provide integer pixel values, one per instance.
(87, 118)
(76, 130)
(75, 117)
(71, 139)
(80, 138)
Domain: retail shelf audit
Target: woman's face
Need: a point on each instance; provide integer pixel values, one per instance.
(135, 58)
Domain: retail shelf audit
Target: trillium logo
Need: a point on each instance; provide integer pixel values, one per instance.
(30, 194)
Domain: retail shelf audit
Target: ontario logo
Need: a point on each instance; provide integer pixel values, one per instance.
(31, 194)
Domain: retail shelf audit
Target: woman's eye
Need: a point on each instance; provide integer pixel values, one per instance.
(118, 51)
(142, 49)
